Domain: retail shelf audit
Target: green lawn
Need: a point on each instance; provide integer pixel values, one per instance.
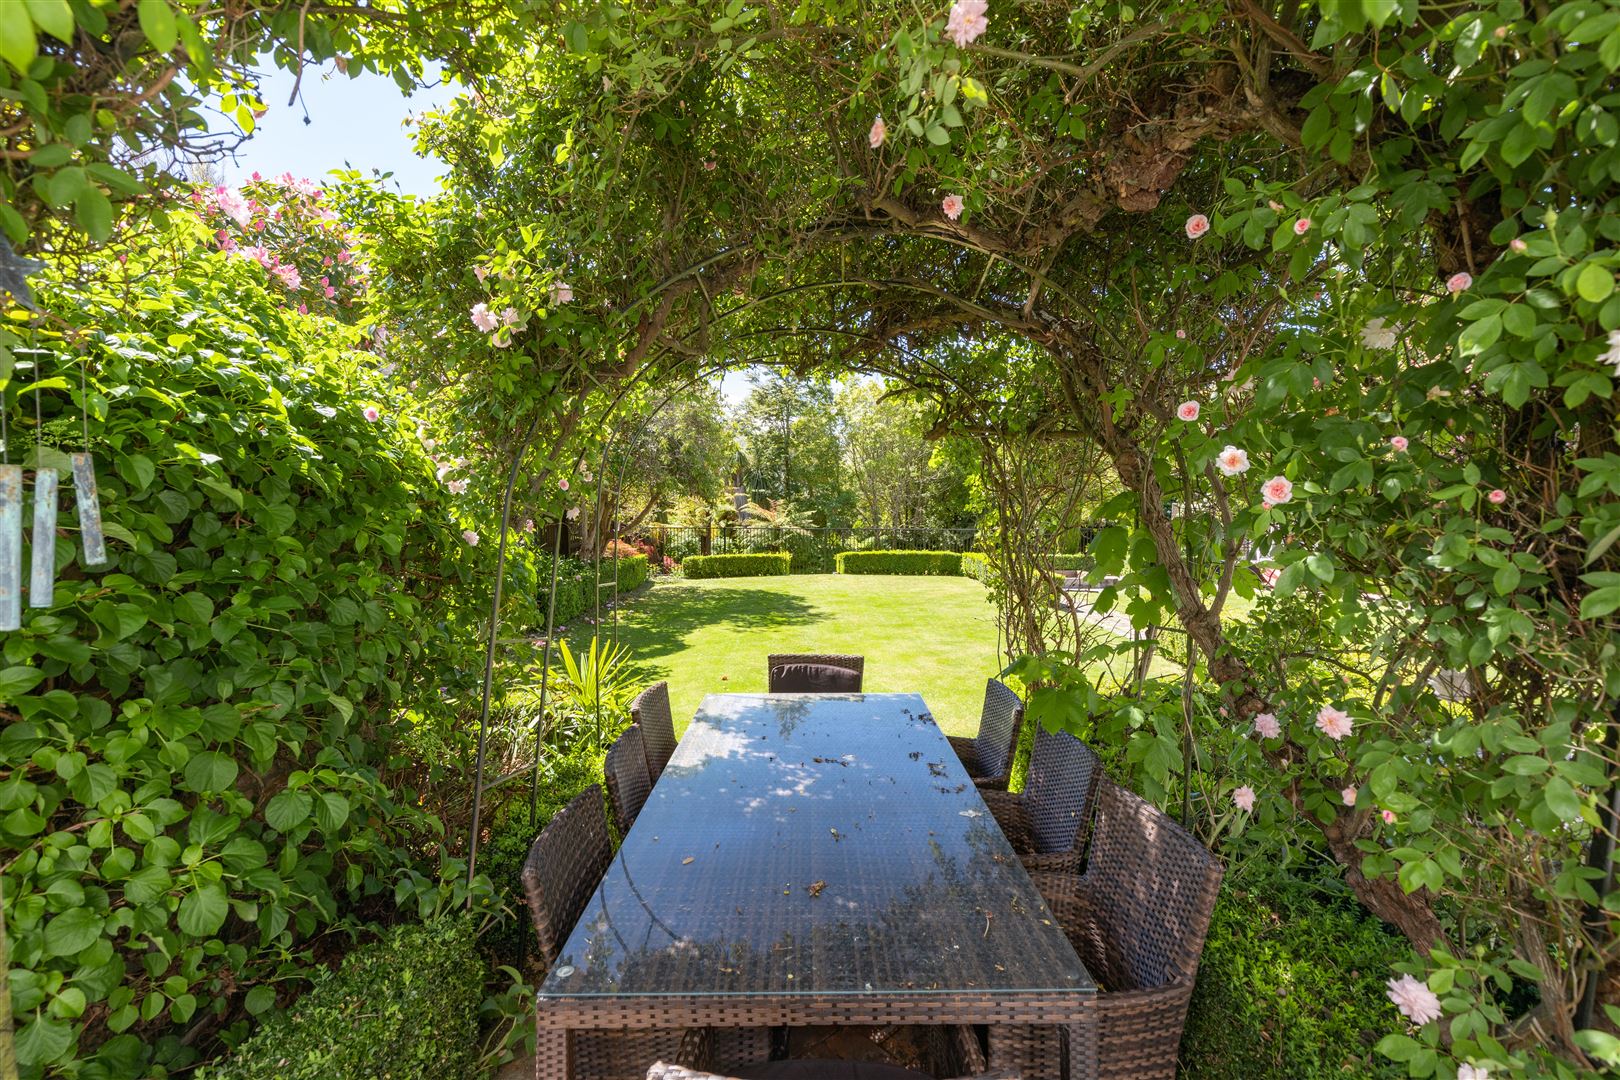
(935, 636)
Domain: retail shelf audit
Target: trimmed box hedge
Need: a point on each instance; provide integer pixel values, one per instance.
(976, 565)
(764, 564)
(401, 1008)
(929, 563)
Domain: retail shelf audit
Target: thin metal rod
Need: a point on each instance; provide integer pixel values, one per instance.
(489, 654)
(1601, 858)
(545, 669)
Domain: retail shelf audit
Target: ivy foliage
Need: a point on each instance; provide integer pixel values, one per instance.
(195, 766)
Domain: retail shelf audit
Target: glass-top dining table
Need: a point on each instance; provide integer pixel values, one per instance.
(814, 859)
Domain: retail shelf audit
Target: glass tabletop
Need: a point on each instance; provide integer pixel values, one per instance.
(815, 844)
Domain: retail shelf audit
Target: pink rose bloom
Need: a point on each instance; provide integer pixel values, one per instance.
(480, 272)
(562, 485)
(370, 413)
(510, 316)
(1277, 490)
(457, 487)
(709, 166)
(288, 273)
(234, 206)
(1497, 496)
(344, 256)
(1518, 245)
(952, 205)
(1267, 503)
(259, 254)
(879, 132)
(1233, 461)
(966, 21)
(1302, 226)
(1415, 1000)
(1334, 723)
(1388, 816)
(1266, 726)
(1349, 796)
(326, 260)
(1459, 281)
(561, 293)
(303, 309)
(528, 525)
(1187, 410)
(470, 536)
(1181, 335)
(1244, 798)
(1276, 206)
(1399, 443)
(483, 318)
(330, 292)
(1197, 226)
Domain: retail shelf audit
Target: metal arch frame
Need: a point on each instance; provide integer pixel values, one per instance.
(518, 456)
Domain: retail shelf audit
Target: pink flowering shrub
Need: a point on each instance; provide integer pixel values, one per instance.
(288, 227)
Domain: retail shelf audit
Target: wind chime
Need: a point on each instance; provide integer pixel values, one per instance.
(14, 273)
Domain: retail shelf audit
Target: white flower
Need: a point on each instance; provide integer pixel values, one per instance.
(1375, 335)
(483, 318)
(1613, 355)
(1232, 461)
(1415, 1000)
(1473, 1072)
(561, 293)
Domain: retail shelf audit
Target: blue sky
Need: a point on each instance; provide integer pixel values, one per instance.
(353, 123)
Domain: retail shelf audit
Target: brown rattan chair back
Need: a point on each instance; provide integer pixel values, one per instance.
(820, 1070)
(1062, 784)
(775, 661)
(651, 713)
(565, 864)
(628, 781)
(999, 724)
(1150, 890)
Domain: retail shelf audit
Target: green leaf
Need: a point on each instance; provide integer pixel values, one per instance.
(331, 811)
(72, 932)
(202, 911)
(1562, 799)
(158, 24)
(17, 681)
(65, 185)
(18, 45)
(55, 17)
(259, 999)
(94, 212)
(210, 771)
(1594, 605)
(287, 810)
(42, 1040)
(1595, 283)
(1320, 564)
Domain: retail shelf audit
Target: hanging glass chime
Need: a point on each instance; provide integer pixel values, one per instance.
(91, 539)
(11, 489)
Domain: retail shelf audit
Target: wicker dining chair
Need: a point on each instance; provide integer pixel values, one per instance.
(1137, 917)
(627, 780)
(566, 863)
(1046, 823)
(651, 713)
(784, 671)
(814, 1070)
(988, 756)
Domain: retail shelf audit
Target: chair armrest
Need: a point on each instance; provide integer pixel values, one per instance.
(1055, 862)
(966, 751)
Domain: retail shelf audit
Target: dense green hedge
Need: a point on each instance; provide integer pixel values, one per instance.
(976, 565)
(937, 563)
(765, 564)
(402, 1008)
(576, 583)
(198, 735)
(1291, 987)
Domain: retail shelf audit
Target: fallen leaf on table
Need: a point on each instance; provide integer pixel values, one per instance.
(689, 858)
(816, 887)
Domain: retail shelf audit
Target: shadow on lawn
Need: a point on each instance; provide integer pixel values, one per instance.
(659, 623)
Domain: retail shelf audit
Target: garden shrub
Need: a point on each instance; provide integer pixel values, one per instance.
(197, 735)
(934, 563)
(401, 1008)
(576, 583)
(976, 565)
(765, 564)
(1291, 987)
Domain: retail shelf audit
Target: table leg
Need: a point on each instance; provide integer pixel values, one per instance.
(1083, 1037)
(551, 1057)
